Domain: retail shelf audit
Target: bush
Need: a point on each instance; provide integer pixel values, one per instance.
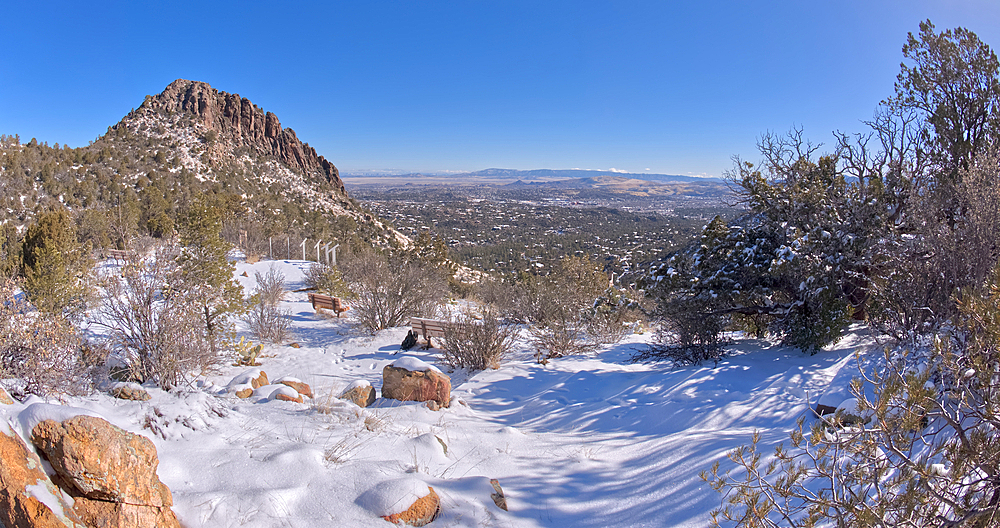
(327, 280)
(270, 287)
(153, 322)
(686, 335)
(265, 319)
(387, 293)
(925, 454)
(478, 344)
(40, 353)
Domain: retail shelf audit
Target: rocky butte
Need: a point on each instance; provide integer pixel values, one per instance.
(239, 123)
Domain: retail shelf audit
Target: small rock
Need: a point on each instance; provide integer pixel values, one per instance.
(433, 405)
(244, 393)
(300, 387)
(244, 274)
(423, 511)
(360, 392)
(295, 345)
(128, 392)
(285, 397)
(5, 398)
(498, 497)
(255, 377)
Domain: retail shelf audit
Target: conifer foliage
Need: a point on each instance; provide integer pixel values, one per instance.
(207, 274)
(55, 265)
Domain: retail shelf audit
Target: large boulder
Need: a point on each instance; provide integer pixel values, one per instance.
(111, 472)
(410, 379)
(27, 497)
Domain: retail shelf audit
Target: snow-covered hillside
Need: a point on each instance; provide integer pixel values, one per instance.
(587, 441)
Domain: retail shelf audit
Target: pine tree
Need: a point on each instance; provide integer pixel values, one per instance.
(207, 273)
(55, 265)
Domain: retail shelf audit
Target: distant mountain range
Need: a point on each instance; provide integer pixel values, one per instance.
(503, 176)
(566, 174)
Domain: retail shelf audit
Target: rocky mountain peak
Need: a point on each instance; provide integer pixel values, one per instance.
(240, 123)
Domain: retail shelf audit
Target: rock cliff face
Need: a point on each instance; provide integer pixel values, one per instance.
(242, 124)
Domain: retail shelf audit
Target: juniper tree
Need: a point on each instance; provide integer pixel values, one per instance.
(207, 273)
(55, 265)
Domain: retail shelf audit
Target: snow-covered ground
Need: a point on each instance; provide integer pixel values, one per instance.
(586, 441)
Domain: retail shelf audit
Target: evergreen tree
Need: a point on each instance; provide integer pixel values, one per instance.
(55, 265)
(207, 273)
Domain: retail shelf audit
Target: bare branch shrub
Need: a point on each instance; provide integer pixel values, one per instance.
(478, 344)
(40, 353)
(387, 293)
(270, 286)
(267, 322)
(153, 327)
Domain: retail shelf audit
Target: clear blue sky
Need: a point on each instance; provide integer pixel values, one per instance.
(673, 87)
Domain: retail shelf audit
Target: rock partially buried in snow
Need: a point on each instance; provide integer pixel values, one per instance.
(297, 384)
(409, 501)
(271, 392)
(5, 398)
(27, 496)
(256, 378)
(360, 392)
(410, 379)
(285, 397)
(498, 497)
(125, 391)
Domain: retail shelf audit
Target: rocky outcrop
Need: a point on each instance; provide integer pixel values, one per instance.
(403, 382)
(243, 124)
(110, 472)
(27, 496)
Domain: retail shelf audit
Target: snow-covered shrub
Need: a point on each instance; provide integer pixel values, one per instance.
(40, 353)
(478, 344)
(387, 292)
(686, 335)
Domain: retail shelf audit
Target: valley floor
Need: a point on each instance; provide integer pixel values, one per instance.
(587, 441)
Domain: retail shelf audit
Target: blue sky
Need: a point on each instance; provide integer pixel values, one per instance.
(673, 87)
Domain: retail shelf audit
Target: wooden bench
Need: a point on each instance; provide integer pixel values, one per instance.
(327, 302)
(428, 328)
